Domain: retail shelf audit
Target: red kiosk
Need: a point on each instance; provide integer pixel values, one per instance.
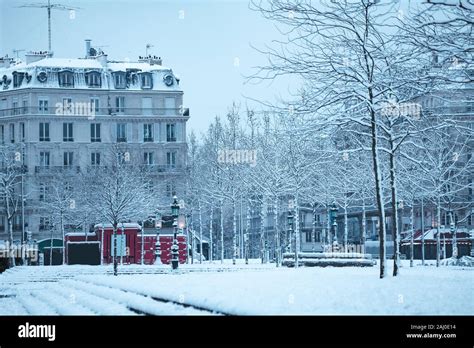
(82, 248)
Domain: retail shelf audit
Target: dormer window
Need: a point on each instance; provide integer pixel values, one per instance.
(93, 79)
(17, 78)
(66, 79)
(147, 81)
(120, 79)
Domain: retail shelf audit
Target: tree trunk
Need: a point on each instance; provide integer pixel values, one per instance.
(328, 226)
(247, 233)
(115, 249)
(395, 227)
(277, 233)
(200, 232)
(211, 241)
(438, 230)
(422, 233)
(346, 228)
(297, 232)
(364, 226)
(412, 229)
(12, 246)
(378, 187)
(262, 230)
(51, 248)
(234, 233)
(63, 235)
(222, 232)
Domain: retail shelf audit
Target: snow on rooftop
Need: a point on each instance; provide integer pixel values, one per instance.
(51, 66)
(125, 225)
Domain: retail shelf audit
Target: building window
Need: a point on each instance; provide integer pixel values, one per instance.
(67, 106)
(148, 158)
(66, 79)
(95, 159)
(171, 159)
(2, 134)
(170, 190)
(121, 132)
(95, 133)
(148, 132)
(22, 132)
(18, 78)
(93, 79)
(15, 108)
(43, 106)
(67, 132)
(120, 104)
(68, 156)
(170, 105)
(171, 132)
(309, 238)
(147, 81)
(44, 131)
(44, 158)
(95, 105)
(147, 106)
(119, 80)
(43, 192)
(12, 132)
(123, 157)
(25, 106)
(44, 223)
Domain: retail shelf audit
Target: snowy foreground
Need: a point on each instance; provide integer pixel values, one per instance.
(242, 289)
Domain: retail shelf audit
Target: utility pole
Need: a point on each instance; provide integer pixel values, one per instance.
(50, 7)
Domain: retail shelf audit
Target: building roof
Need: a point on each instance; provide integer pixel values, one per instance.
(79, 66)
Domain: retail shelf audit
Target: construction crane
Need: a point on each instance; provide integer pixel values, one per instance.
(50, 7)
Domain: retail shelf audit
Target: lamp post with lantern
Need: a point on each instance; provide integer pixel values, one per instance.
(290, 218)
(333, 215)
(175, 247)
(452, 229)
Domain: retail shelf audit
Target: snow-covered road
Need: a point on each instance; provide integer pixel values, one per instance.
(241, 289)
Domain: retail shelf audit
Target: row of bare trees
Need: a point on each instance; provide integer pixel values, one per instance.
(379, 82)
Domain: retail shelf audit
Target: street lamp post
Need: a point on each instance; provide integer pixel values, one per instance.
(158, 224)
(333, 216)
(452, 227)
(174, 247)
(290, 232)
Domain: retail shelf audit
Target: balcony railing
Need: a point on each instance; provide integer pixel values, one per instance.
(151, 168)
(162, 168)
(57, 169)
(86, 109)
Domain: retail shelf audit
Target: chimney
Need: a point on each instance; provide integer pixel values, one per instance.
(152, 60)
(88, 48)
(32, 57)
(102, 59)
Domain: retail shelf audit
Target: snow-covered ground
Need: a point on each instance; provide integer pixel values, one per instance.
(236, 289)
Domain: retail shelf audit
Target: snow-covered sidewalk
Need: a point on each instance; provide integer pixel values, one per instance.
(228, 289)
